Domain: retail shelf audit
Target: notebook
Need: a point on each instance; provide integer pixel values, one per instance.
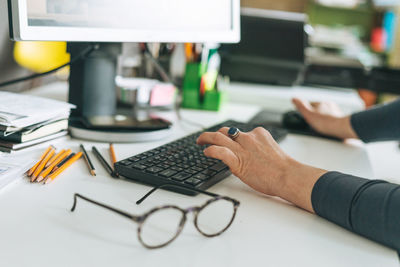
(35, 131)
(12, 147)
(19, 110)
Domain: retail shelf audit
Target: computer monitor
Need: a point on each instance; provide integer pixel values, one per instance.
(271, 49)
(126, 20)
(108, 23)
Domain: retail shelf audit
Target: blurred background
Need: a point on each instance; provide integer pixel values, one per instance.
(336, 43)
(346, 38)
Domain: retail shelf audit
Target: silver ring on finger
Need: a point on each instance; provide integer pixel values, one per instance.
(233, 133)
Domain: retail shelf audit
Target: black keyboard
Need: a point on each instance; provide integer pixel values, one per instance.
(183, 162)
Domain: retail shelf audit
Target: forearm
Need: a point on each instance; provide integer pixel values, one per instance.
(345, 129)
(298, 183)
(378, 124)
(367, 207)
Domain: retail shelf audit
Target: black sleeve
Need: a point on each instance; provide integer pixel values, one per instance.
(370, 208)
(381, 123)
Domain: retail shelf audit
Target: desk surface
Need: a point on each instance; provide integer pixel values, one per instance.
(278, 98)
(37, 229)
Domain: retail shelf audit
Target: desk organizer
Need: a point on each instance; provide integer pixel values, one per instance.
(212, 100)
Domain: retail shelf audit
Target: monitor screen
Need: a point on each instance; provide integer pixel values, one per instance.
(126, 20)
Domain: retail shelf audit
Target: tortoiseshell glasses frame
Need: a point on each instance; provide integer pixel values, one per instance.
(141, 219)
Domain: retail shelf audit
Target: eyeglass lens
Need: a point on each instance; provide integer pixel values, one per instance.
(215, 217)
(161, 226)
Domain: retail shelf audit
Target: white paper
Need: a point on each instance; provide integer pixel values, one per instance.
(20, 110)
(12, 168)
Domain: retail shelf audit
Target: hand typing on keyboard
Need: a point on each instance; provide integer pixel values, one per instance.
(258, 161)
(182, 162)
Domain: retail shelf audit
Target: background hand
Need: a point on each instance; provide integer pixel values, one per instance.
(326, 118)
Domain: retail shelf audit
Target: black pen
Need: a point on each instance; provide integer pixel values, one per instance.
(62, 162)
(88, 161)
(104, 162)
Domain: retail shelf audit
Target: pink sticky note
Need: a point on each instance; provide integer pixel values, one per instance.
(162, 95)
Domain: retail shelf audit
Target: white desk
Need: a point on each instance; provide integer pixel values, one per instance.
(278, 98)
(37, 229)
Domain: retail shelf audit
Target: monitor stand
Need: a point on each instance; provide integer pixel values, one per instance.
(92, 90)
(92, 79)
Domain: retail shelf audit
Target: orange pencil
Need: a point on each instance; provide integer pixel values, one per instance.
(54, 158)
(31, 170)
(112, 155)
(189, 52)
(42, 164)
(46, 172)
(53, 176)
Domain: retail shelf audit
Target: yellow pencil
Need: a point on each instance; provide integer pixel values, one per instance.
(112, 155)
(31, 170)
(46, 172)
(53, 176)
(42, 164)
(54, 158)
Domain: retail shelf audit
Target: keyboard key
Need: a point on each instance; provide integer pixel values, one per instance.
(125, 162)
(176, 168)
(181, 176)
(202, 177)
(164, 166)
(202, 166)
(153, 170)
(192, 181)
(183, 165)
(134, 159)
(167, 173)
(139, 166)
(191, 171)
(209, 173)
(219, 167)
(147, 163)
(197, 168)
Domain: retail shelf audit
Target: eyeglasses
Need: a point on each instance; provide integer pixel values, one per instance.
(162, 225)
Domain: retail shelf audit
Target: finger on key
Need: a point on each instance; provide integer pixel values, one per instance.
(219, 139)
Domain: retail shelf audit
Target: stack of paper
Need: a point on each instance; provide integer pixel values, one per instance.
(12, 169)
(28, 120)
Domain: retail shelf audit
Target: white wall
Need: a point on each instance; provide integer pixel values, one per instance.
(37, 6)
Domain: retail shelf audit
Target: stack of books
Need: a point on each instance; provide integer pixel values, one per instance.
(27, 120)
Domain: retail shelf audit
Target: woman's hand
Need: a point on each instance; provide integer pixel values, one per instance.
(326, 118)
(259, 162)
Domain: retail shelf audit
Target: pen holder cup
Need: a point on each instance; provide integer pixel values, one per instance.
(212, 99)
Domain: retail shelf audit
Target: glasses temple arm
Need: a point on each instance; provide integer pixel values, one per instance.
(124, 214)
(176, 186)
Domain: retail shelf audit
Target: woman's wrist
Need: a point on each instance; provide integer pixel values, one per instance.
(297, 184)
(346, 129)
